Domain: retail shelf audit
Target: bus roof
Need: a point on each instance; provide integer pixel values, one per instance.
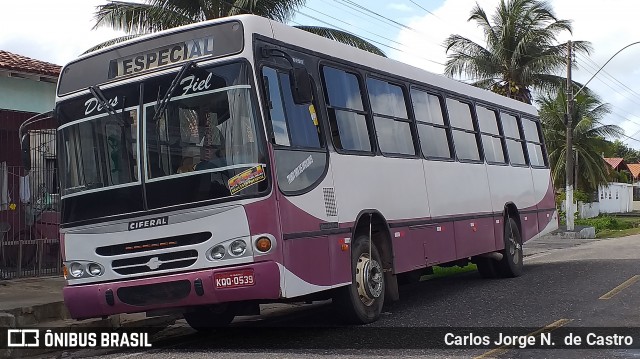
(254, 24)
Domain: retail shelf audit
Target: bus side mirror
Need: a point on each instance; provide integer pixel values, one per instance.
(300, 85)
(25, 151)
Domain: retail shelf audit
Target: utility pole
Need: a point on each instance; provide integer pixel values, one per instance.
(569, 160)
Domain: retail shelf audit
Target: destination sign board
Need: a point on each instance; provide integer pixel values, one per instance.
(183, 51)
(205, 40)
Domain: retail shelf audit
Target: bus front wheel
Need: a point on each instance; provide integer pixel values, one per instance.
(361, 301)
(208, 317)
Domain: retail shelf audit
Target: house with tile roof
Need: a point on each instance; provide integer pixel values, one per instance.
(27, 88)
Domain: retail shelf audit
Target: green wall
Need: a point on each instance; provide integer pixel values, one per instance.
(26, 95)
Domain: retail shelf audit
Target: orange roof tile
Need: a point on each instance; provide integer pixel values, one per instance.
(614, 162)
(635, 169)
(15, 62)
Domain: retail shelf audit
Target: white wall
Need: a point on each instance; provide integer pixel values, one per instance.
(616, 198)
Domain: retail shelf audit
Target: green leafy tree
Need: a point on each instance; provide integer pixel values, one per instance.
(589, 137)
(618, 148)
(137, 19)
(521, 52)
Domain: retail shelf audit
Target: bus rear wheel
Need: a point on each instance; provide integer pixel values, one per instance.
(511, 264)
(207, 318)
(361, 302)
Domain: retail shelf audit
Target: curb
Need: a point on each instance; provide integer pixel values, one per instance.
(29, 316)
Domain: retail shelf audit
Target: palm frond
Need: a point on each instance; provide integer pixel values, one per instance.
(117, 40)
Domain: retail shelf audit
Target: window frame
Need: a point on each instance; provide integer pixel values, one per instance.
(543, 148)
(521, 140)
(445, 126)
(500, 135)
(408, 120)
(267, 111)
(365, 111)
(474, 124)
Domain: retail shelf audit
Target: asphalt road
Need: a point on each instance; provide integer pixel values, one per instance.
(563, 287)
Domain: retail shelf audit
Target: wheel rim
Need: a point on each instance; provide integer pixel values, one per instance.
(514, 249)
(369, 279)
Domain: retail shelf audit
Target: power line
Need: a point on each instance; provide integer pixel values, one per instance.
(363, 37)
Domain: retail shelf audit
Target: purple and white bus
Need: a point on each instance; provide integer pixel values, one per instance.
(210, 168)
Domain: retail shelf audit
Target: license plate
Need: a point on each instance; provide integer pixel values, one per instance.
(242, 278)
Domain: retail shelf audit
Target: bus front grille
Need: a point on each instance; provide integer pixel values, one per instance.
(152, 263)
(157, 293)
(153, 244)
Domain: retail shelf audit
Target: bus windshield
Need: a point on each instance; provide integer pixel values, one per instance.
(100, 151)
(204, 141)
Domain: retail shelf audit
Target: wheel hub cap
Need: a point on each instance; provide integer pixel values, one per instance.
(369, 279)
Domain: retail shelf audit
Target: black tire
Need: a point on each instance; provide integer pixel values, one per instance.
(511, 264)
(354, 307)
(209, 317)
(487, 267)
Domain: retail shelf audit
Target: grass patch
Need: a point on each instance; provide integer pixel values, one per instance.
(612, 233)
(608, 226)
(609, 223)
(440, 272)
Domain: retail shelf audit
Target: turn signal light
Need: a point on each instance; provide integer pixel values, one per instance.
(263, 244)
(65, 271)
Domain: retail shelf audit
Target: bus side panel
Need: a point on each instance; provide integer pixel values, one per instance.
(511, 185)
(474, 236)
(498, 226)
(457, 188)
(340, 259)
(529, 224)
(308, 258)
(438, 241)
(408, 250)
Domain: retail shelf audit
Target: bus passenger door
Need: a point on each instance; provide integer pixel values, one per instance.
(303, 185)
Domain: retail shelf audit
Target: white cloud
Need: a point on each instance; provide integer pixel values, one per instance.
(399, 7)
(53, 31)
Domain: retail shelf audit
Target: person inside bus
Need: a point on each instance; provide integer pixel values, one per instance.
(186, 165)
(212, 151)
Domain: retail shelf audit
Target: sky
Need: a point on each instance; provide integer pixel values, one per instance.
(411, 31)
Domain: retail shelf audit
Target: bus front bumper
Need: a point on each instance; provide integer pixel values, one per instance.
(173, 291)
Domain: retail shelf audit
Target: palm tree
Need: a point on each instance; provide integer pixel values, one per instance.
(521, 52)
(589, 137)
(155, 15)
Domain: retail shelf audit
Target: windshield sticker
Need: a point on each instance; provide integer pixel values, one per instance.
(247, 178)
(314, 117)
(298, 170)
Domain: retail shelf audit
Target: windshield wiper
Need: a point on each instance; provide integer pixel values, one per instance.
(99, 96)
(161, 104)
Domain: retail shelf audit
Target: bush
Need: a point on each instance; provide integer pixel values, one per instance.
(604, 222)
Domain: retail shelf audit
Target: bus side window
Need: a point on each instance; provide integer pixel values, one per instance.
(515, 144)
(293, 125)
(432, 128)
(464, 133)
(533, 136)
(492, 141)
(390, 116)
(349, 125)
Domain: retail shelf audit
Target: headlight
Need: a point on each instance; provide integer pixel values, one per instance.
(76, 270)
(238, 247)
(217, 252)
(94, 269)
